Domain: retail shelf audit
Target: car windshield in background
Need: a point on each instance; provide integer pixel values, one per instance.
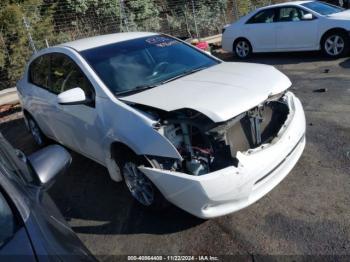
(135, 65)
(323, 8)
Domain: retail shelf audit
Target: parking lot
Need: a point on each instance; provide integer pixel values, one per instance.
(308, 213)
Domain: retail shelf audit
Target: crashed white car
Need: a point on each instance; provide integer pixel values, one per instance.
(171, 121)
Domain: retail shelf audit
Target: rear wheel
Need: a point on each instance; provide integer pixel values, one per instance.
(335, 44)
(242, 48)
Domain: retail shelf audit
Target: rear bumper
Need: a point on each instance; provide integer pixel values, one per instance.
(233, 188)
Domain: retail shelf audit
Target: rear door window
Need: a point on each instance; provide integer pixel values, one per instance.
(39, 71)
(263, 17)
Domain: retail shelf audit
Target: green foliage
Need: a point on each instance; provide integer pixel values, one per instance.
(143, 15)
(208, 15)
(246, 6)
(14, 38)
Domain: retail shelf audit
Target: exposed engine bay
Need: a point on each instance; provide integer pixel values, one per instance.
(206, 146)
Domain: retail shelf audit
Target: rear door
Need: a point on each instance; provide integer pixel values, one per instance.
(41, 99)
(260, 30)
(294, 33)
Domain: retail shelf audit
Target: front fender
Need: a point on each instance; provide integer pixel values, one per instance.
(134, 129)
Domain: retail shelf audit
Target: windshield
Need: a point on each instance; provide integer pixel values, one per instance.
(135, 65)
(323, 8)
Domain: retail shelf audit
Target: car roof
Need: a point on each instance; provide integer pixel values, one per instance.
(96, 41)
(295, 3)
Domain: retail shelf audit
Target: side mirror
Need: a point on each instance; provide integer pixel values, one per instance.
(308, 17)
(73, 96)
(48, 163)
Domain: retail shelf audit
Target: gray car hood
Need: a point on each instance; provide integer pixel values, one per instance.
(220, 92)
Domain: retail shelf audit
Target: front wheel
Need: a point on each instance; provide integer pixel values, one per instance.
(35, 131)
(141, 188)
(335, 44)
(242, 49)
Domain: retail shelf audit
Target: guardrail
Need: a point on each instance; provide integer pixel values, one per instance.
(214, 39)
(9, 96)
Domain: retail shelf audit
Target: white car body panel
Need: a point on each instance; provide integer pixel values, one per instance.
(285, 36)
(301, 35)
(220, 92)
(264, 36)
(234, 188)
(71, 96)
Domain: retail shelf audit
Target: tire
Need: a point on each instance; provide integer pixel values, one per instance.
(242, 48)
(38, 136)
(142, 190)
(335, 44)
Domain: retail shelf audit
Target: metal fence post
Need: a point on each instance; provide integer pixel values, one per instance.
(235, 9)
(123, 16)
(194, 18)
(31, 42)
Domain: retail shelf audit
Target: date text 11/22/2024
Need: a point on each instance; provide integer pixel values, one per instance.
(173, 258)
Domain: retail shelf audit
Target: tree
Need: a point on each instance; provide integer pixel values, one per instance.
(209, 16)
(143, 15)
(15, 35)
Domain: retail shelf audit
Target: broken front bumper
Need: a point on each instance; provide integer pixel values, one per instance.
(233, 188)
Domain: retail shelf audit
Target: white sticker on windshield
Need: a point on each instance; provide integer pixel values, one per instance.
(161, 41)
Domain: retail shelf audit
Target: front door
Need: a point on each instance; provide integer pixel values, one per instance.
(76, 126)
(295, 33)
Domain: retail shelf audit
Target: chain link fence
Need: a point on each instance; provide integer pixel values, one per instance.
(30, 25)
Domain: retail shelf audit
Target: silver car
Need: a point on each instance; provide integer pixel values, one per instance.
(31, 226)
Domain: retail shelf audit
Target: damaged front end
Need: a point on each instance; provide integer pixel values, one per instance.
(206, 146)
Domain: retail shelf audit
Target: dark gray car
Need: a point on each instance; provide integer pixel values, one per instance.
(31, 227)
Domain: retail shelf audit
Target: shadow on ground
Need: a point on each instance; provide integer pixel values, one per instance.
(86, 192)
(345, 64)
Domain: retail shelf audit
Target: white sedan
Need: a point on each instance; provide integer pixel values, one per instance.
(173, 122)
(292, 26)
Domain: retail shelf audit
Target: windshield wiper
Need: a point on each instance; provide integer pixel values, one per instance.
(136, 90)
(146, 87)
(185, 73)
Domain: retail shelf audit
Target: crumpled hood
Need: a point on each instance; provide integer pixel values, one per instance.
(345, 15)
(220, 92)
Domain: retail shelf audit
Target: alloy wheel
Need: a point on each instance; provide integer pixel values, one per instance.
(334, 45)
(138, 184)
(242, 49)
